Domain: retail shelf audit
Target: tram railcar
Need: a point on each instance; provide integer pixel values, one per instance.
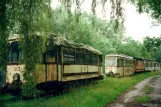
(148, 65)
(138, 65)
(64, 61)
(156, 66)
(118, 65)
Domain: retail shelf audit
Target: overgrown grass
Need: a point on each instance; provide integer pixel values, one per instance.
(95, 94)
(148, 89)
(141, 99)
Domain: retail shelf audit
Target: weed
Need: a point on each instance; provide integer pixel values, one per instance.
(148, 89)
(141, 99)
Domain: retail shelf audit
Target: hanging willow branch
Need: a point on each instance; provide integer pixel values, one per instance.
(31, 16)
(3, 34)
(117, 14)
(78, 9)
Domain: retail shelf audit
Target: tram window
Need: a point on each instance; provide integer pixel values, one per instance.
(131, 63)
(94, 59)
(111, 62)
(128, 63)
(158, 65)
(15, 52)
(50, 56)
(88, 58)
(120, 62)
(80, 58)
(69, 56)
(136, 63)
(9, 54)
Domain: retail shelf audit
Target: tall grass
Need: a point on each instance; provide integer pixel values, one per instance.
(94, 94)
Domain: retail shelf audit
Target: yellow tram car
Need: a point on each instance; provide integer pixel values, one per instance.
(64, 61)
(119, 65)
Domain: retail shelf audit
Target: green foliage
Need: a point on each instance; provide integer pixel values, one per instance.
(158, 54)
(32, 49)
(133, 48)
(141, 99)
(153, 47)
(3, 33)
(150, 6)
(29, 87)
(148, 89)
(25, 17)
(102, 36)
(116, 12)
(95, 94)
(34, 18)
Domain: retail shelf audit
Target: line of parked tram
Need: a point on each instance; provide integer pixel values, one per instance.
(123, 65)
(65, 61)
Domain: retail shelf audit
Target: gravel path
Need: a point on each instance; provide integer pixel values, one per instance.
(127, 99)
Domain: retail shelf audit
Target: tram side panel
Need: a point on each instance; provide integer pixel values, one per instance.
(156, 66)
(139, 66)
(80, 65)
(148, 65)
(118, 65)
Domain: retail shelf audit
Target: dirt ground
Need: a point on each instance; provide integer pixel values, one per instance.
(150, 88)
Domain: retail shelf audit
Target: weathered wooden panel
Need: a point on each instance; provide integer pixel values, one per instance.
(78, 77)
(92, 68)
(40, 73)
(139, 66)
(51, 72)
(73, 69)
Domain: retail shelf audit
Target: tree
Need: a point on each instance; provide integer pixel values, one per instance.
(116, 13)
(133, 48)
(3, 33)
(27, 17)
(150, 6)
(101, 36)
(153, 46)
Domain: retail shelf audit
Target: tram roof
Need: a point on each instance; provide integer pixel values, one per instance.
(59, 41)
(62, 41)
(148, 60)
(138, 58)
(119, 55)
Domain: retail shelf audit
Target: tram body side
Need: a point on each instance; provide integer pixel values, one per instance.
(124, 65)
(61, 64)
(118, 65)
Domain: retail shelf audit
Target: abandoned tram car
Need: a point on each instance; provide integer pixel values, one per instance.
(64, 61)
(118, 65)
(123, 65)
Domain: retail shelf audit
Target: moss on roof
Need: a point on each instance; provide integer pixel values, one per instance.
(60, 41)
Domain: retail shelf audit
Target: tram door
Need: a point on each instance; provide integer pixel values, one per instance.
(51, 67)
(120, 66)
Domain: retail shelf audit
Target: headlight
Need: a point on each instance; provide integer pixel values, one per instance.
(16, 76)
